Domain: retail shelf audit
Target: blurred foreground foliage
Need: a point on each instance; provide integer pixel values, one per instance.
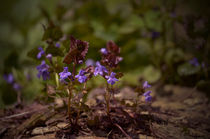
(158, 38)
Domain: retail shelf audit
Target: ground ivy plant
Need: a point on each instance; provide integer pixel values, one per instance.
(71, 74)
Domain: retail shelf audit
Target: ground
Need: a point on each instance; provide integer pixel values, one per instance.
(176, 112)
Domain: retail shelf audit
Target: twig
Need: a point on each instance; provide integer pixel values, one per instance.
(21, 114)
(123, 131)
(109, 134)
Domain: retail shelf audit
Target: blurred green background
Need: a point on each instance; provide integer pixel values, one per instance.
(157, 38)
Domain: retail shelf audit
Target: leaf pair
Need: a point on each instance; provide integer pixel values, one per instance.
(77, 52)
(112, 58)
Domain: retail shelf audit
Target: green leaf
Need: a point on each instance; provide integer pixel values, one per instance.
(119, 75)
(151, 74)
(51, 49)
(33, 53)
(53, 33)
(187, 69)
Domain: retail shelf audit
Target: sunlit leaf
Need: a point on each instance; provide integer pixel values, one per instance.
(187, 69)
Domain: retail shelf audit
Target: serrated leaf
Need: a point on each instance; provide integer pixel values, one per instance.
(51, 49)
(187, 69)
(77, 52)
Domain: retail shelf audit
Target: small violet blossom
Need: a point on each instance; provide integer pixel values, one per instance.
(65, 74)
(9, 78)
(89, 62)
(16, 86)
(43, 71)
(41, 52)
(147, 96)
(111, 79)
(81, 76)
(104, 51)
(57, 45)
(100, 69)
(146, 85)
(194, 62)
(80, 61)
(49, 57)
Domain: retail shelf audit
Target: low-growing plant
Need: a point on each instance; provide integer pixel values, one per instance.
(71, 73)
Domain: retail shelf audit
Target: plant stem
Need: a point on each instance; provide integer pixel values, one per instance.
(107, 100)
(74, 69)
(80, 103)
(78, 114)
(69, 104)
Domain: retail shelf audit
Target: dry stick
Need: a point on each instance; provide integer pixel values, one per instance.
(21, 114)
(109, 133)
(122, 131)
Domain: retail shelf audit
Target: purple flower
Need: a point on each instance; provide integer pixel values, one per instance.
(147, 96)
(9, 78)
(57, 45)
(111, 79)
(49, 57)
(90, 62)
(194, 62)
(100, 69)
(81, 76)
(41, 52)
(43, 71)
(104, 51)
(120, 59)
(16, 86)
(80, 62)
(146, 85)
(65, 74)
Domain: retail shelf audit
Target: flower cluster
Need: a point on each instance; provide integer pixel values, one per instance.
(64, 75)
(57, 45)
(43, 70)
(147, 93)
(76, 55)
(110, 54)
(194, 62)
(49, 57)
(99, 69)
(9, 78)
(90, 62)
(111, 79)
(81, 76)
(41, 52)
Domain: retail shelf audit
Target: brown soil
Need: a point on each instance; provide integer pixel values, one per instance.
(176, 112)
